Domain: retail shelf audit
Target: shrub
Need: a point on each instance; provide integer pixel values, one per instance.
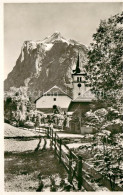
(21, 123)
(29, 124)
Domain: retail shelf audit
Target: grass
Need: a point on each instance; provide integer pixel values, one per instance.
(23, 165)
(22, 169)
(11, 132)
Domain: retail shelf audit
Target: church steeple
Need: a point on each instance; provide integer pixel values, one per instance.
(77, 65)
(77, 70)
(78, 80)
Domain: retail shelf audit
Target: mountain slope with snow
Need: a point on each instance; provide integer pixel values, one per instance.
(43, 64)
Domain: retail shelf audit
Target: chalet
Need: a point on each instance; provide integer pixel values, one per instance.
(54, 97)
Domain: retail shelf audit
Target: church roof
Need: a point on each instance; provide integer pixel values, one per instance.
(86, 97)
(81, 101)
(54, 91)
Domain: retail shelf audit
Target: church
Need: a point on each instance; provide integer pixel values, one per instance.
(82, 96)
(56, 97)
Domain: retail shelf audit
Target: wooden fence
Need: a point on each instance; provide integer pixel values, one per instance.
(77, 168)
(71, 162)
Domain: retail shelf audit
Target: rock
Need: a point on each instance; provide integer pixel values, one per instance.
(43, 64)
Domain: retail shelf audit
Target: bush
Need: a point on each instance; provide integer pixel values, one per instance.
(14, 123)
(115, 128)
(101, 112)
(21, 123)
(29, 124)
(6, 120)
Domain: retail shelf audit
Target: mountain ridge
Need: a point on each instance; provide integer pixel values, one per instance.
(43, 64)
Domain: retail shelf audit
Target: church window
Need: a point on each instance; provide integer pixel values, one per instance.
(77, 79)
(54, 99)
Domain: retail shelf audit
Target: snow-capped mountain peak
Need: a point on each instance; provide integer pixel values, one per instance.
(54, 37)
(46, 63)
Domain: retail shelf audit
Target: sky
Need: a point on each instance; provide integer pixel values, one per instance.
(35, 21)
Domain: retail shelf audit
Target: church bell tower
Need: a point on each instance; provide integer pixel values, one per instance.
(78, 81)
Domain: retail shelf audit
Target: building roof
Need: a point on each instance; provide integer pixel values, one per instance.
(86, 97)
(54, 91)
(82, 99)
(77, 106)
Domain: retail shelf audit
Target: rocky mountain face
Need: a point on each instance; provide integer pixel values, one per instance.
(43, 64)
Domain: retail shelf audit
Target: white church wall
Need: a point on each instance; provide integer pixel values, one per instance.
(48, 101)
(78, 90)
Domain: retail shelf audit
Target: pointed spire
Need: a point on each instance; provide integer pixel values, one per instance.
(77, 70)
(77, 65)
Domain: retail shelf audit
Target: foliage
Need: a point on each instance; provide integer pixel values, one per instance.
(37, 123)
(16, 104)
(21, 123)
(107, 157)
(105, 61)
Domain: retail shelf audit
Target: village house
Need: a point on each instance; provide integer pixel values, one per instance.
(51, 99)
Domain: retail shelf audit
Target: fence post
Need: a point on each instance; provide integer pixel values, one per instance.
(52, 136)
(60, 150)
(48, 132)
(70, 167)
(55, 142)
(79, 172)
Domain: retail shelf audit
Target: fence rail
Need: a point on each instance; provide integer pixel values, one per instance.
(76, 167)
(71, 162)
